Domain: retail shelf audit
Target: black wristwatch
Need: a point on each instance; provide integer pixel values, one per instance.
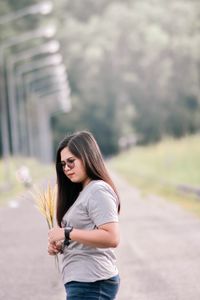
(67, 230)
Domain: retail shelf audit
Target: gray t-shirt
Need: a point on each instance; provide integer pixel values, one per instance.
(96, 205)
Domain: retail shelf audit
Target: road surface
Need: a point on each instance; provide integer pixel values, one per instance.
(158, 257)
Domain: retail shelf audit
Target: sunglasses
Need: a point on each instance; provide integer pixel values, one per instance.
(70, 163)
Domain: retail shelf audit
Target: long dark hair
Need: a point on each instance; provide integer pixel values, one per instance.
(84, 146)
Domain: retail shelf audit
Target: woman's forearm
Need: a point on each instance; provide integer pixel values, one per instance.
(96, 238)
(104, 237)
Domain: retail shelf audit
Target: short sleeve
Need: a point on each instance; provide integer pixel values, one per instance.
(102, 207)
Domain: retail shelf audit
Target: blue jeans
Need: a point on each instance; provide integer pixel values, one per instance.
(98, 290)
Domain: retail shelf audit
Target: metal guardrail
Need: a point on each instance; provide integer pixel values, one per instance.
(189, 190)
(181, 188)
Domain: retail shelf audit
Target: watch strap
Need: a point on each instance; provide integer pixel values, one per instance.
(67, 231)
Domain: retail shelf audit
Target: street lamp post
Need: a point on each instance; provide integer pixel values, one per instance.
(27, 87)
(45, 138)
(49, 83)
(63, 93)
(54, 59)
(47, 32)
(43, 75)
(50, 47)
(59, 85)
(55, 70)
(43, 8)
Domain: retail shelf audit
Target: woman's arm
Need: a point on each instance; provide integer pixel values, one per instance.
(105, 236)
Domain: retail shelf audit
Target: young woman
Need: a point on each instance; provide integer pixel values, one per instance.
(87, 215)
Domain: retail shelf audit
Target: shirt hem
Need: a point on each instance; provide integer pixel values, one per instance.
(93, 280)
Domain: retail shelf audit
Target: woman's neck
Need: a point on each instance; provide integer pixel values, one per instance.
(86, 181)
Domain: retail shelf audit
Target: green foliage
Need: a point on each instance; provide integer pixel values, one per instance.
(171, 161)
(183, 116)
(136, 58)
(164, 167)
(133, 67)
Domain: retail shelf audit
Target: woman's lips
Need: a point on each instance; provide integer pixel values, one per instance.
(70, 174)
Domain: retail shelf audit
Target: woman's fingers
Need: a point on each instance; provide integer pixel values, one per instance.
(52, 249)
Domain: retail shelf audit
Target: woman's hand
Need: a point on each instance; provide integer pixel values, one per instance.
(54, 248)
(56, 234)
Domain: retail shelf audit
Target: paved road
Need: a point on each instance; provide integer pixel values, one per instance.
(26, 271)
(159, 254)
(158, 258)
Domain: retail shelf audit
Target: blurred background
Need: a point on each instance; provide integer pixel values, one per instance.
(129, 71)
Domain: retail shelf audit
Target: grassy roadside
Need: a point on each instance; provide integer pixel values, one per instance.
(10, 186)
(160, 168)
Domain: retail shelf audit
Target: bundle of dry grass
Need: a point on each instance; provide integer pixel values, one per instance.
(45, 201)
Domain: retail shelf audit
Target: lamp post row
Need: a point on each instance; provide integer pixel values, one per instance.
(12, 79)
(41, 8)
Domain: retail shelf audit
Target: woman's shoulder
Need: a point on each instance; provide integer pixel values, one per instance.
(97, 185)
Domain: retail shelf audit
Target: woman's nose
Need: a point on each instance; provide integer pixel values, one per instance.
(65, 167)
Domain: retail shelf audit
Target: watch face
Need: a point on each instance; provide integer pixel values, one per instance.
(68, 228)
